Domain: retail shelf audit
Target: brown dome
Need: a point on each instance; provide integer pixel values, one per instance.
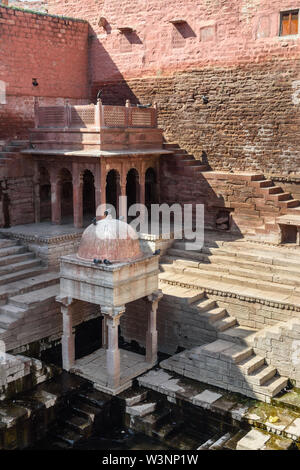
(110, 239)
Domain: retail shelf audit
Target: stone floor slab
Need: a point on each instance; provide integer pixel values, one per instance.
(254, 440)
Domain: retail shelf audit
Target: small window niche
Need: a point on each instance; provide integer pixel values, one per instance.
(289, 23)
(289, 234)
(223, 219)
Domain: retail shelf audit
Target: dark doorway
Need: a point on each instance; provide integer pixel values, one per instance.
(88, 337)
(66, 196)
(45, 195)
(150, 189)
(132, 187)
(113, 189)
(88, 196)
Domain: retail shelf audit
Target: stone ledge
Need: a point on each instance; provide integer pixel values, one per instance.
(270, 303)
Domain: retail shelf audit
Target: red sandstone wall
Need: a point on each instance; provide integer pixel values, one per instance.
(53, 50)
(228, 50)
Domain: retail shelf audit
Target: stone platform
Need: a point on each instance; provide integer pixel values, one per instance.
(93, 368)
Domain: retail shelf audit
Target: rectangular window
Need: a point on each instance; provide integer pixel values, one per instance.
(289, 23)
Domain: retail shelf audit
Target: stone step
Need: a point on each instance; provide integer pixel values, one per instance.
(141, 409)
(12, 250)
(133, 397)
(282, 196)
(66, 434)
(29, 284)
(251, 364)
(236, 264)
(270, 190)
(5, 242)
(80, 424)
(249, 250)
(225, 323)
(239, 334)
(94, 398)
(289, 203)
(184, 294)
(259, 440)
(9, 309)
(23, 265)
(214, 314)
(17, 258)
(36, 297)
(7, 319)
(84, 409)
(19, 275)
(264, 183)
(275, 385)
(165, 430)
(206, 445)
(205, 305)
(261, 375)
(230, 279)
(232, 442)
(219, 443)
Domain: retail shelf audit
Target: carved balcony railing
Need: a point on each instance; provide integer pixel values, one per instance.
(95, 116)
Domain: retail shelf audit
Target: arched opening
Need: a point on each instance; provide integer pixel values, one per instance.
(113, 189)
(66, 196)
(45, 195)
(150, 189)
(132, 187)
(88, 195)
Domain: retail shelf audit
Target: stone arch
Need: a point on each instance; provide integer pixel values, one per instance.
(66, 193)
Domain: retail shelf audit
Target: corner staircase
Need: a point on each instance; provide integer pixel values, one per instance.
(276, 202)
(183, 162)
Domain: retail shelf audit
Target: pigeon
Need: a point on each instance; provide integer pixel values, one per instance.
(107, 262)
(97, 261)
(156, 252)
(94, 221)
(99, 94)
(144, 105)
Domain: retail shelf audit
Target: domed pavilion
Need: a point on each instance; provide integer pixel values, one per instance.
(110, 270)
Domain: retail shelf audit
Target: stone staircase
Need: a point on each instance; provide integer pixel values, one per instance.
(182, 162)
(228, 360)
(87, 411)
(152, 417)
(252, 266)
(24, 282)
(230, 365)
(273, 202)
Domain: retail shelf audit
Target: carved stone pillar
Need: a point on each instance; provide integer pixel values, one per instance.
(78, 199)
(36, 194)
(151, 336)
(123, 202)
(56, 201)
(68, 337)
(113, 315)
(142, 194)
(104, 332)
